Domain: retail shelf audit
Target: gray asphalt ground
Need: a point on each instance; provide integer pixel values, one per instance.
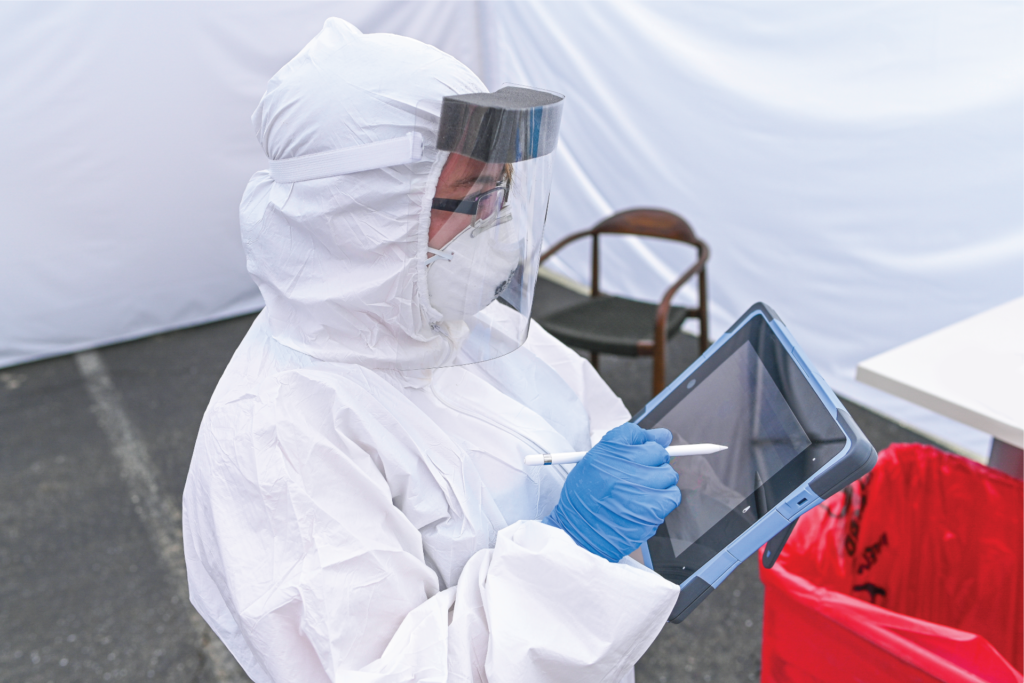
(94, 451)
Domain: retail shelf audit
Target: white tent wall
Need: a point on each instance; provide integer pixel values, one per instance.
(126, 143)
(857, 166)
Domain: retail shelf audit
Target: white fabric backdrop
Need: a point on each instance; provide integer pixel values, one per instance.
(126, 145)
(858, 166)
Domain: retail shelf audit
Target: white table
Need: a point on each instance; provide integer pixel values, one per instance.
(971, 371)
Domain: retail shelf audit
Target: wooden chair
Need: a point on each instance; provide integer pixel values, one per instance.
(611, 324)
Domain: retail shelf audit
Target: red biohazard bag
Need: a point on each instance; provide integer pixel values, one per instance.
(913, 573)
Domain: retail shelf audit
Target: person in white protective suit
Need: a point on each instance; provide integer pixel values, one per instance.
(357, 506)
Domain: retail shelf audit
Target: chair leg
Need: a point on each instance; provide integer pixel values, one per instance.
(593, 360)
(703, 312)
(658, 380)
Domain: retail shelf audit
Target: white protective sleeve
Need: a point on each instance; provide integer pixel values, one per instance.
(535, 608)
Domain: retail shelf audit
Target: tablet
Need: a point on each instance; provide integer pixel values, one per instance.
(791, 444)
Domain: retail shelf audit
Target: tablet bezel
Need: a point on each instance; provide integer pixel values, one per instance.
(820, 414)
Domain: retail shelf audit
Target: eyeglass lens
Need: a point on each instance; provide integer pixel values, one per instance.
(489, 203)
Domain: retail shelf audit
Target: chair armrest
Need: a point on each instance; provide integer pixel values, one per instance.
(661, 315)
(561, 243)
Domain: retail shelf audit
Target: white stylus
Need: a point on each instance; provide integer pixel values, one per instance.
(569, 458)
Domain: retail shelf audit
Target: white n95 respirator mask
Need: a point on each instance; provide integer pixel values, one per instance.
(475, 267)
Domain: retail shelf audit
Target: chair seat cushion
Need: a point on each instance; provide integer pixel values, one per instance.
(610, 324)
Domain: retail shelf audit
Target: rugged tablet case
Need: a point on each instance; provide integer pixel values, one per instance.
(857, 460)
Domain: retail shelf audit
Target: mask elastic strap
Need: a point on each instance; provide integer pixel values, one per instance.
(438, 254)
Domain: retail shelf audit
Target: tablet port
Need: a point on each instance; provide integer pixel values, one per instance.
(796, 507)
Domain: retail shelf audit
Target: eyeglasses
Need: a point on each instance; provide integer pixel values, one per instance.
(483, 205)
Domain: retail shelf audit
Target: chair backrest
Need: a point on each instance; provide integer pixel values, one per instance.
(650, 223)
(644, 222)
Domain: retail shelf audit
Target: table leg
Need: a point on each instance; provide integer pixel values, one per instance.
(1006, 458)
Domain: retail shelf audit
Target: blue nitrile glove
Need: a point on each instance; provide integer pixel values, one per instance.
(618, 495)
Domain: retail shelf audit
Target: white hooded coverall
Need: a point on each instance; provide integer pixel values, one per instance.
(349, 520)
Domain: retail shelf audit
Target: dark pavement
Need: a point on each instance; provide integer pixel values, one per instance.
(88, 587)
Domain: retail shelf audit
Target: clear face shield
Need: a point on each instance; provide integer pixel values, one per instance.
(487, 218)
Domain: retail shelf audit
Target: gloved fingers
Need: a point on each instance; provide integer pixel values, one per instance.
(661, 435)
(625, 439)
(630, 433)
(635, 503)
(622, 471)
(651, 454)
(656, 506)
(659, 486)
(644, 477)
(619, 493)
(661, 477)
(626, 434)
(668, 500)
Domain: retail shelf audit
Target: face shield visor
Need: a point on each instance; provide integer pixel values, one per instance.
(487, 218)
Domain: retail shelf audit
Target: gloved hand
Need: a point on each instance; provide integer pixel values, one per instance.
(619, 493)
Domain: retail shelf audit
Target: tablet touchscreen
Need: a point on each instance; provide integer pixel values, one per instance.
(751, 396)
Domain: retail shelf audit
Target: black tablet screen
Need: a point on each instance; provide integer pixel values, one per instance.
(753, 398)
